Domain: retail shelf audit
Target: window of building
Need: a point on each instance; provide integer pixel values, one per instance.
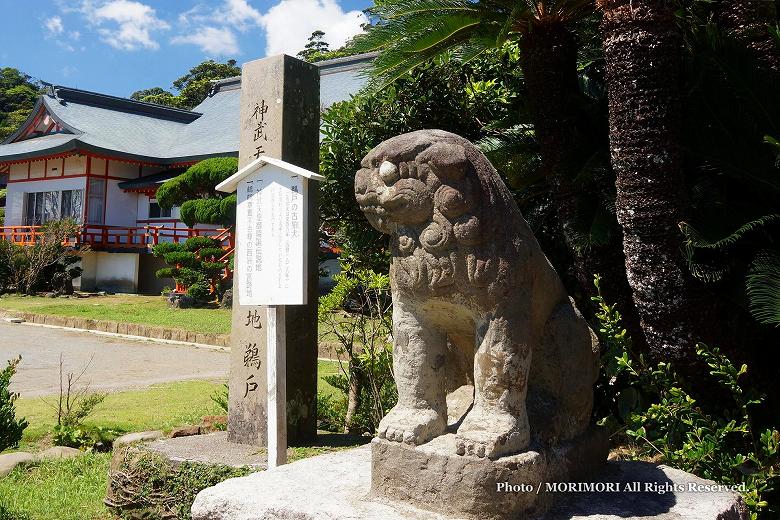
(155, 211)
(45, 206)
(96, 200)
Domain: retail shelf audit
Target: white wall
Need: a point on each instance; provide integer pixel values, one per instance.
(121, 206)
(14, 212)
(115, 272)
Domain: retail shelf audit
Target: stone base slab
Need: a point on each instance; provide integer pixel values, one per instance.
(434, 477)
(336, 486)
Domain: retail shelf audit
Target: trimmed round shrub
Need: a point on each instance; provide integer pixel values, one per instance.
(167, 272)
(196, 243)
(208, 252)
(212, 267)
(199, 291)
(160, 250)
(188, 276)
(181, 258)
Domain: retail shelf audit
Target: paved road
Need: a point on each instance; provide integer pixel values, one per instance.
(116, 364)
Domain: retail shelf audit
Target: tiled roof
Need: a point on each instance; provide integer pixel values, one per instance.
(146, 132)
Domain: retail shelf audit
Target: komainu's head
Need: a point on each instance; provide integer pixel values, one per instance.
(419, 178)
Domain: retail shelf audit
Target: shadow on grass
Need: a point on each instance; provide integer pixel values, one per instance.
(9, 514)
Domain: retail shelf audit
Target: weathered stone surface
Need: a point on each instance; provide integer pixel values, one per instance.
(132, 438)
(473, 296)
(280, 118)
(335, 486)
(212, 448)
(185, 431)
(60, 452)
(9, 461)
(433, 477)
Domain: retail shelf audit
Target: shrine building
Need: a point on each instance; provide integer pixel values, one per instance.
(100, 159)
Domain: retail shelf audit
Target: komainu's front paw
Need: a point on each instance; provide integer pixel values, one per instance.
(412, 425)
(492, 434)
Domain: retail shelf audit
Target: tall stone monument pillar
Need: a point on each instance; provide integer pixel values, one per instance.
(280, 107)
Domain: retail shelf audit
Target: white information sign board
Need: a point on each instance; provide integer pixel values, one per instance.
(270, 254)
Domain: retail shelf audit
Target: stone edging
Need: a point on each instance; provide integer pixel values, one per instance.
(326, 350)
(128, 329)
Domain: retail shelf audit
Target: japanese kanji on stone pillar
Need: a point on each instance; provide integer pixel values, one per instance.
(275, 280)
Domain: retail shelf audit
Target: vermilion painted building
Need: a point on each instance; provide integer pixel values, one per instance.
(99, 159)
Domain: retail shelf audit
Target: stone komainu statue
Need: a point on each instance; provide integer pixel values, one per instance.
(473, 294)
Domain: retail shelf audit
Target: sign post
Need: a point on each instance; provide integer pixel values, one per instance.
(279, 118)
(271, 267)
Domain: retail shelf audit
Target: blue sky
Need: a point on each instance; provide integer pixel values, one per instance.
(119, 46)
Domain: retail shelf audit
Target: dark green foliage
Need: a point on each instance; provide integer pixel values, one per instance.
(167, 272)
(432, 96)
(662, 415)
(160, 250)
(205, 211)
(11, 428)
(193, 87)
(315, 47)
(198, 243)
(212, 267)
(200, 291)
(367, 387)
(194, 192)
(331, 412)
(181, 258)
(144, 484)
(198, 181)
(18, 95)
(189, 276)
(211, 252)
(46, 266)
(763, 288)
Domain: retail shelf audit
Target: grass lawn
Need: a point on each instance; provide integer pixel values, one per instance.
(74, 489)
(130, 308)
(126, 308)
(160, 407)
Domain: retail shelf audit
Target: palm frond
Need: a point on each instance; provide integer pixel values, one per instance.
(763, 288)
(695, 239)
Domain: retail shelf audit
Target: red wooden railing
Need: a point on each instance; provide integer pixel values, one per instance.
(119, 237)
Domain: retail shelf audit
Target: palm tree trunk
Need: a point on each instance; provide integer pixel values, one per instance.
(549, 63)
(748, 21)
(642, 48)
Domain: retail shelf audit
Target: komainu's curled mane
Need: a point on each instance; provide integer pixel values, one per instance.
(451, 219)
(472, 289)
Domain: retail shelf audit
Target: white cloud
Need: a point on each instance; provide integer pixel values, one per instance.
(289, 24)
(123, 24)
(53, 26)
(216, 41)
(240, 14)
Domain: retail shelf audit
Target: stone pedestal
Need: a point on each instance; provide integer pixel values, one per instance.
(336, 487)
(434, 477)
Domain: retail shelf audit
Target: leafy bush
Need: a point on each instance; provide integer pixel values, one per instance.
(196, 244)
(665, 420)
(48, 265)
(191, 265)
(366, 381)
(11, 428)
(74, 404)
(181, 258)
